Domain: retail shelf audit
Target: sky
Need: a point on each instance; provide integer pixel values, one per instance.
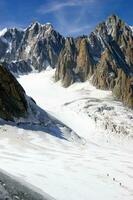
(69, 17)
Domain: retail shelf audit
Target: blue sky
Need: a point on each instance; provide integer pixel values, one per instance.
(69, 17)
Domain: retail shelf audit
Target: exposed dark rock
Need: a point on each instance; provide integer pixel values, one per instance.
(85, 62)
(12, 96)
(75, 62)
(18, 67)
(11, 189)
(66, 63)
(123, 88)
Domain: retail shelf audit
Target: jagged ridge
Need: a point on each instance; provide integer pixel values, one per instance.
(107, 54)
(38, 46)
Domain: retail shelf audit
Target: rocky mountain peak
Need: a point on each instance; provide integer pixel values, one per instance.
(37, 47)
(115, 24)
(38, 28)
(113, 19)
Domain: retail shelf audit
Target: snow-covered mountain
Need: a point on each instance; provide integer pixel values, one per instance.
(106, 54)
(38, 46)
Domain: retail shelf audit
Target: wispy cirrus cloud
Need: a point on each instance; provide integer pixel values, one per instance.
(59, 5)
(69, 16)
(77, 30)
(11, 24)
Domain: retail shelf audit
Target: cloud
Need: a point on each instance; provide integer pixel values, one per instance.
(74, 22)
(69, 16)
(57, 5)
(11, 24)
(78, 30)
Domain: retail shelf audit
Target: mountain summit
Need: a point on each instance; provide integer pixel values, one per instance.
(38, 46)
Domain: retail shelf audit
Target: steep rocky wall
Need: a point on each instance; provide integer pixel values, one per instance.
(75, 62)
(123, 88)
(109, 75)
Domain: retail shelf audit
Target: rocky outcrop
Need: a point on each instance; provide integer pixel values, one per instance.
(18, 67)
(11, 189)
(123, 88)
(67, 63)
(105, 72)
(111, 74)
(85, 62)
(13, 103)
(75, 62)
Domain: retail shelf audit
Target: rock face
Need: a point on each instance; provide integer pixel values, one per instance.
(11, 189)
(114, 70)
(75, 62)
(12, 96)
(66, 63)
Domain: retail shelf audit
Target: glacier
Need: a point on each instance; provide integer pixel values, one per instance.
(93, 161)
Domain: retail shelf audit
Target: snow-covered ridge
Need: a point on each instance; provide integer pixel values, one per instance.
(3, 31)
(46, 27)
(32, 26)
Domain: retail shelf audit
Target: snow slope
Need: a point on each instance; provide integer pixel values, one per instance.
(98, 167)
